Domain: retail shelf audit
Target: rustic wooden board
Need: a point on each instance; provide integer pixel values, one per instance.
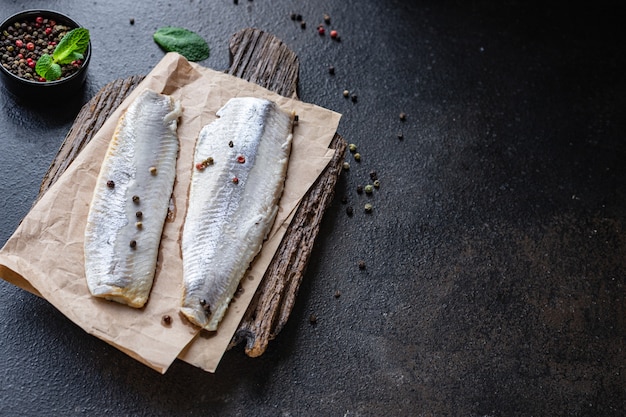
(261, 58)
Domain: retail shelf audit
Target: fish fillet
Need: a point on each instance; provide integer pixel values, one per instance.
(131, 199)
(240, 167)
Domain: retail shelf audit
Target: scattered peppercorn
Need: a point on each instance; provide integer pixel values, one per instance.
(346, 93)
(349, 211)
(167, 320)
(313, 319)
(133, 244)
(204, 163)
(361, 264)
(139, 214)
(231, 144)
(357, 156)
(331, 70)
(359, 189)
(373, 175)
(136, 199)
(303, 24)
(235, 180)
(346, 166)
(334, 34)
(132, 21)
(326, 19)
(368, 208)
(205, 306)
(299, 17)
(153, 170)
(369, 189)
(400, 135)
(403, 116)
(292, 16)
(377, 184)
(241, 159)
(354, 98)
(110, 184)
(352, 147)
(320, 30)
(337, 294)
(139, 225)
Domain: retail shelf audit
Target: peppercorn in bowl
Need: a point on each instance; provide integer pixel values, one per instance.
(29, 47)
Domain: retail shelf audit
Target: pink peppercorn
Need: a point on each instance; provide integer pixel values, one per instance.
(321, 30)
(30, 46)
(333, 34)
(19, 43)
(48, 30)
(39, 19)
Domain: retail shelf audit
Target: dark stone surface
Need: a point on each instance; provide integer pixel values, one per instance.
(495, 253)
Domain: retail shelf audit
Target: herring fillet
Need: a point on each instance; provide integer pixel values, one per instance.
(130, 201)
(233, 202)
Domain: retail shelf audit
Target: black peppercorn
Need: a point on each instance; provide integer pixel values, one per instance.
(110, 184)
(139, 214)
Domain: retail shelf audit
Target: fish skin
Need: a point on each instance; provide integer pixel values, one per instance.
(226, 222)
(145, 137)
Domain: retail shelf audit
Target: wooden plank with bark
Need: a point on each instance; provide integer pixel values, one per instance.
(261, 58)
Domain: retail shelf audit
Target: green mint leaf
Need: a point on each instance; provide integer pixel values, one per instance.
(47, 68)
(185, 42)
(74, 42)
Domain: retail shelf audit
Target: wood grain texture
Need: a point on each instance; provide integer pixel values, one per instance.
(261, 58)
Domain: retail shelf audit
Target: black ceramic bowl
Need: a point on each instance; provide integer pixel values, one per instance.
(31, 89)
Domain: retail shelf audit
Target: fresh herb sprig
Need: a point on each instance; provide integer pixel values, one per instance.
(70, 48)
(187, 43)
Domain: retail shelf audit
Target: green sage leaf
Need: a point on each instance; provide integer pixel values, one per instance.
(187, 43)
(73, 43)
(47, 68)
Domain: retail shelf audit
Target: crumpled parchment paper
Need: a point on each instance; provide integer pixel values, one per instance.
(45, 254)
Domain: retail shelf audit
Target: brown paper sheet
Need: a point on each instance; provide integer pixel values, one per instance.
(45, 254)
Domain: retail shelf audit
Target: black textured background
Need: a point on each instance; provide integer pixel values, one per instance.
(495, 267)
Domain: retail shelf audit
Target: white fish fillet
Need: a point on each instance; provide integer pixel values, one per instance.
(123, 232)
(227, 219)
